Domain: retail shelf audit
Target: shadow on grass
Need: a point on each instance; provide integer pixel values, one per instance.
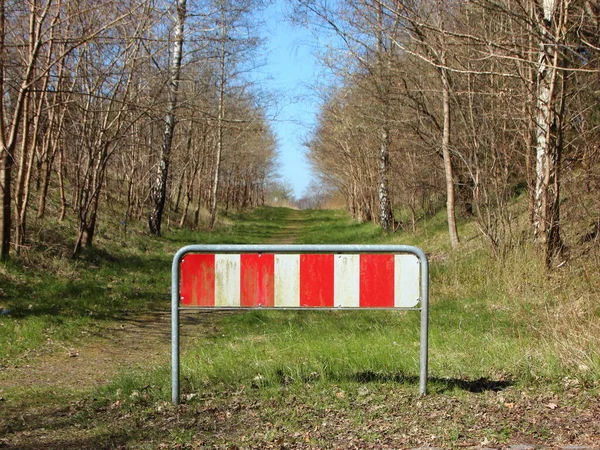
(57, 429)
(109, 286)
(436, 385)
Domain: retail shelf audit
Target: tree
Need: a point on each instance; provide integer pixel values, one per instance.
(364, 38)
(13, 112)
(550, 98)
(235, 47)
(426, 26)
(158, 192)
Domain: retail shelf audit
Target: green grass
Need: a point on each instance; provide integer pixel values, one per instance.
(248, 227)
(336, 227)
(46, 298)
(271, 348)
(494, 324)
(484, 328)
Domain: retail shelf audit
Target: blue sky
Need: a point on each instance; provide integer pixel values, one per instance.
(290, 70)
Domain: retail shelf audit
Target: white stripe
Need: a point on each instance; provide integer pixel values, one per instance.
(346, 281)
(227, 280)
(407, 280)
(287, 281)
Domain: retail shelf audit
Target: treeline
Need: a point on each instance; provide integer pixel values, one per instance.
(464, 104)
(135, 101)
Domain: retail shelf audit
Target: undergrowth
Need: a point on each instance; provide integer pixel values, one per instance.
(494, 322)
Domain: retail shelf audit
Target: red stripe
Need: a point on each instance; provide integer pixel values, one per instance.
(197, 280)
(257, 284)
(316, 281)
(376, 281)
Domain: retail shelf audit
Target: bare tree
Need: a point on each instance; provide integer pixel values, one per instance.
(12, 113)
(236, 44)
(364, 39)
(159, 188)
(550, 98)
(223, 24)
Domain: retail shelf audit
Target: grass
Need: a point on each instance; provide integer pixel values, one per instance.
(271, 348)
(484, 328)
(485, 319)
(501, 332)
(336, 227)
(46, 299)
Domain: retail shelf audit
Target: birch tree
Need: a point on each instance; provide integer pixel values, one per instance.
(552, 27)
(158, 192)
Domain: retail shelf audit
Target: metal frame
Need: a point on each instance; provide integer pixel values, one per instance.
(280, 249)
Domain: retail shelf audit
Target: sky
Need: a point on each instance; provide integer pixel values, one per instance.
(290, 70)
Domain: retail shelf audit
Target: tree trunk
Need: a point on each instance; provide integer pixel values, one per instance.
(386, 215)
(220, 117)
(548, 146)
(450, 197)
(5, 159)
(87, 239)
(159, 189)
(6, 163)
(9, 128)
(61, 186)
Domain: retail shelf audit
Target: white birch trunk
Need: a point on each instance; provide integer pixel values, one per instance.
(546, 213)
(159, 189)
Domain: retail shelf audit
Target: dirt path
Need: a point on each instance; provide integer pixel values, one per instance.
(142, 341)
(30, 388)
(295, 223)
(135, 341)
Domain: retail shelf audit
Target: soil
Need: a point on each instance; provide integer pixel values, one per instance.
(142, 341)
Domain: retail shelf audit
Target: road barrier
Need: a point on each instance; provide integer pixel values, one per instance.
(334, 277)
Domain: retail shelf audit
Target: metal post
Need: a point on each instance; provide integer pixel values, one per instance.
(424, 322)
(175, 327)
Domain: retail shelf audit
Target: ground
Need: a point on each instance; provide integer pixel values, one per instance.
(50, 400)
(471, 414)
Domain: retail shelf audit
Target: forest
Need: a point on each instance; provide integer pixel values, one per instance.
(467, 128)
(151, 105)
(468, 105)
(134, 103)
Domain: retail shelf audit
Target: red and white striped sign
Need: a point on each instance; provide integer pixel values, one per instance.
(300, 280)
